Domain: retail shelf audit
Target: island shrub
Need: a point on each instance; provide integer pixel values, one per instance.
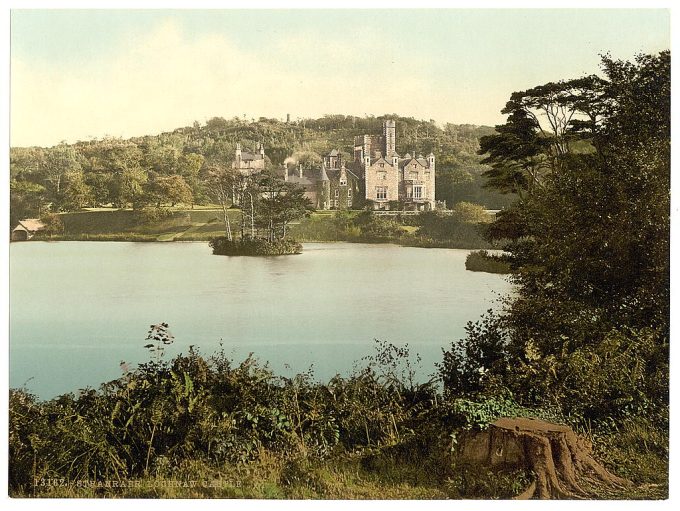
(481, 260)
(254, 247)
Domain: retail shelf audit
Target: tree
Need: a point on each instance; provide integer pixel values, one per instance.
(123, 162)
(543, 125)
(77, 194)
(131, 186)
(26, 200)
(221, 182)
(100, 187)
(189, 167)
(172, 189)
(59, 162)
(450, 175)
(589, 242)
(291, 204)
(53, 224)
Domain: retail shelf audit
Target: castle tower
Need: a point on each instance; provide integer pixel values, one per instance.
(431, 184)
(390, 136)
(325, 188)
(238, 155)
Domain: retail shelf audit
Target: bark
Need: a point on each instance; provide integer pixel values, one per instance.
(562, 462)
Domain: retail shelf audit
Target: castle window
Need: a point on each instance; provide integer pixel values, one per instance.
(382, 165)
(427, 175)
(349, 193)
(337, 193)
(382, 175)
(381, 192)
(413, 175)
(343, 181)
(335, 203)
(417, 192)
(349, 202)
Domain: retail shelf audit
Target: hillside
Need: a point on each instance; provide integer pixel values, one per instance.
(172, 167)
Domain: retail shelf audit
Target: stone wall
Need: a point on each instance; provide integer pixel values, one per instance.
(374, 179)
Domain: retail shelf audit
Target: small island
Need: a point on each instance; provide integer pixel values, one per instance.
(267, 205)
(254, 247)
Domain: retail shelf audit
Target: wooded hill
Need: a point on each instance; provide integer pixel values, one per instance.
(171, 167)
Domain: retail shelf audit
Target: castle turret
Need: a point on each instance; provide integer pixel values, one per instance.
(430, 161)
(238, 155)
(390, 136)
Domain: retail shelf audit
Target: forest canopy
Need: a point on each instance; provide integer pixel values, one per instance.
(174, 167)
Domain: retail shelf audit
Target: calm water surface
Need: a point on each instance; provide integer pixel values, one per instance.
(79, 308)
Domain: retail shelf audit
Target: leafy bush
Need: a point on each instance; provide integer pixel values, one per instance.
(210, 410)
(462, 226)
(377, 228)
(254, 247)
(474, 363)
(481, 260)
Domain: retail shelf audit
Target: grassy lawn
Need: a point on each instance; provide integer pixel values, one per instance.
(199, 224)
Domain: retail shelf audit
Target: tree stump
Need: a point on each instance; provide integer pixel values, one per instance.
(562, 462)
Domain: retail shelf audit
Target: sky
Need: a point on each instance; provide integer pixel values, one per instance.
(82, 74)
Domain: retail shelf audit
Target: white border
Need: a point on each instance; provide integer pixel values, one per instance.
(287, 504)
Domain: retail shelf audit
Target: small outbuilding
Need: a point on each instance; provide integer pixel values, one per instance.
(26, 229)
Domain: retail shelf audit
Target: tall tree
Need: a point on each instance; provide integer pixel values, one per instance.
(77, 193)
(589, 240)
(59, 162)
(221, 183)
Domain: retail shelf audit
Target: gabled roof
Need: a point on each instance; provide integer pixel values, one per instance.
(409, 161)
(250, 156)
(30, 224)
(379, 160)
(334, 152)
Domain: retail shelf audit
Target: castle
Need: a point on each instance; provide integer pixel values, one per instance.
(249, 163)
(389, 177)
(333, 186)
(378, 176)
